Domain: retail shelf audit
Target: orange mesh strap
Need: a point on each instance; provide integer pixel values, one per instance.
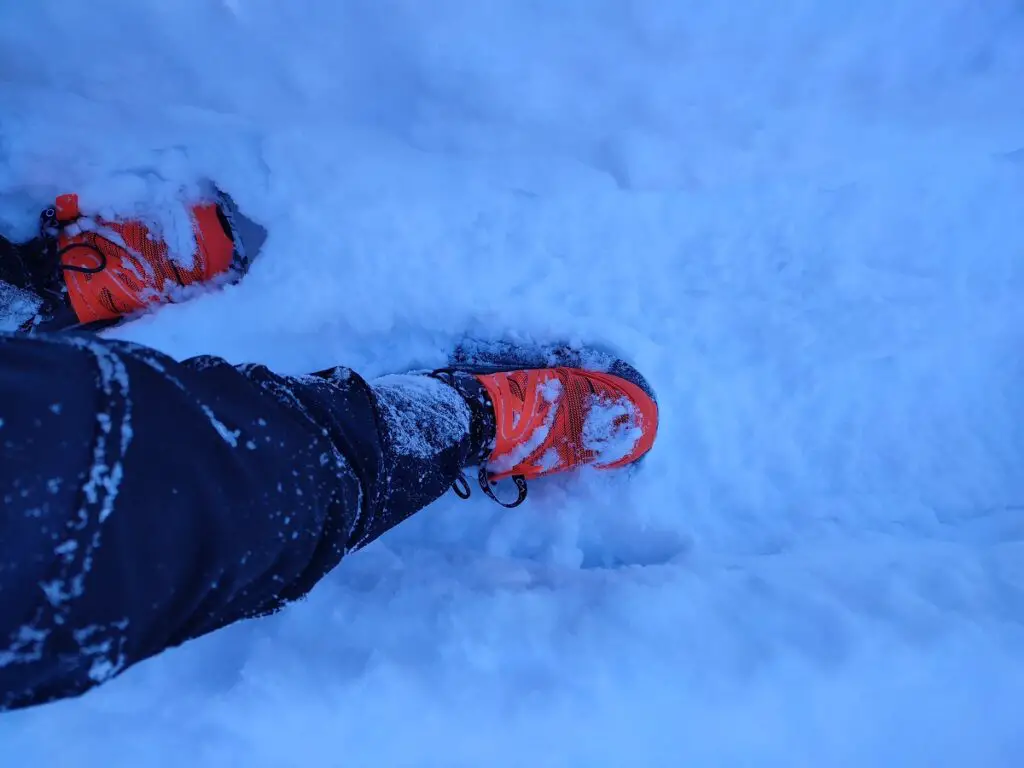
(104, 280)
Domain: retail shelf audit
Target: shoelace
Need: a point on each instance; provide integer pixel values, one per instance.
(50, 228)
(461, 486)
(463, 491)
(47, 266)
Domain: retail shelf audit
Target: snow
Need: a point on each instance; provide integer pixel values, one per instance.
(802, 220)
(16, 306)
(612, 429)
(422, 432)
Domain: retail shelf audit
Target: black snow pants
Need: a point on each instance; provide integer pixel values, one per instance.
(146, 501)
(20, 265)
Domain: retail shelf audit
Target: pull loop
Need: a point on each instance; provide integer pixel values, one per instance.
(485, 485)
(461, 486)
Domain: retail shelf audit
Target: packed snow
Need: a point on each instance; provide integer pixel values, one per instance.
(802, 221)
(612, 429)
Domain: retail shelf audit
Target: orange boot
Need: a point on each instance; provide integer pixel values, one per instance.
(113, 269)
(555, 419)
(89, 272)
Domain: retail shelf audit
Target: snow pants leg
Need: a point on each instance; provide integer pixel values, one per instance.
(146, 502)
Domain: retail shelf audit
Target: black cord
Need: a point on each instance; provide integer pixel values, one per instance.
(81, 270)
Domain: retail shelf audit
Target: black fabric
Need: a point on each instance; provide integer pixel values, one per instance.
(147, 502)
(32, 266)
(482, 424)
(15, 262)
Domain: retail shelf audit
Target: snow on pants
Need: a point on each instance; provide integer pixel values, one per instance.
(147, 502)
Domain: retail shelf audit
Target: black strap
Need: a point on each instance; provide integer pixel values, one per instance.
(485, 484)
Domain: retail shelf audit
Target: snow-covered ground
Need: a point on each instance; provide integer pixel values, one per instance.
(803, 220)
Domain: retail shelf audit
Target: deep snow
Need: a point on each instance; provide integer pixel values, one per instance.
(803, 222)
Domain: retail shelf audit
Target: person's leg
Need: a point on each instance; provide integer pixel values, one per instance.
(147, 502)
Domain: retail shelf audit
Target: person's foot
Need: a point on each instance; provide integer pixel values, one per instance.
(90, 272)
(116, 268)
(544, 421)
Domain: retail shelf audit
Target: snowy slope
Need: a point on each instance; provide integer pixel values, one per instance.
(803, 222)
